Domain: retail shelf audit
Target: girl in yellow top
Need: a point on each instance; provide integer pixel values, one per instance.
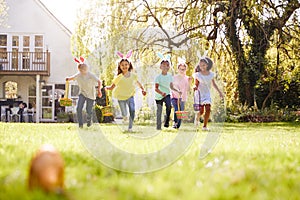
(124, 85)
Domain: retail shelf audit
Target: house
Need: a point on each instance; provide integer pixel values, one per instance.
(35, 58)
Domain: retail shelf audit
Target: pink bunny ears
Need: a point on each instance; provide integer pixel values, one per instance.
(128, 55)
(80, 60)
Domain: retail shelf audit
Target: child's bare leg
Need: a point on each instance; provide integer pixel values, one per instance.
(206, 115)
(197, 117)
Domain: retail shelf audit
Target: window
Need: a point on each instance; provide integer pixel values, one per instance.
(3, 47)
(11, 90)
(39, 46)
(26, 41)
(3, 54)
(32, 95)
(38, 41)
(74, 93)
(38, 53)
(15, 41)
(3, 40)
(74, 90)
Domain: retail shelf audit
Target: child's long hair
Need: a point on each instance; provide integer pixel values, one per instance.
(119, 66)
(208, 61)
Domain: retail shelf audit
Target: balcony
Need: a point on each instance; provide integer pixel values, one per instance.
(25, 63)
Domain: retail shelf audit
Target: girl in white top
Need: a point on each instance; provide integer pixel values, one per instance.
(203, 80)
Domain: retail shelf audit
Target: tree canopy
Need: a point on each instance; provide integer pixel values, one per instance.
(254, 44)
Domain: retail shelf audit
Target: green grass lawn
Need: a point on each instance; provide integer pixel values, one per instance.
(250, 161)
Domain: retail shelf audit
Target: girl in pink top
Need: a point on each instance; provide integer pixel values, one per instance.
(182, 83)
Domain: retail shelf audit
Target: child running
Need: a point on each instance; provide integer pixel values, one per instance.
(203, 80)
(163, 84)
(86, 82)
(182, 83)
(124, 85)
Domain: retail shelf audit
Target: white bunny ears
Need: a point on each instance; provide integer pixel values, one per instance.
(202, 57)
(181, 61)
(121, 55)
(164, 58)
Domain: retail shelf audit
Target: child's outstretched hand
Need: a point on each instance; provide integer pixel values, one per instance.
(144, 92)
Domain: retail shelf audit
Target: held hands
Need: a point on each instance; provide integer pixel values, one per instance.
(144, 92)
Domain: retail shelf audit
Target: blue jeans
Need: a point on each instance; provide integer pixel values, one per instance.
(175, 105)
(131, 106)
(159, 104)
(89, 108)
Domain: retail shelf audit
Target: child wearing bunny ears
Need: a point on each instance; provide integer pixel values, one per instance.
(203, 80)
(163, 84)
(86, 82)
(124, 85)
(182, 83)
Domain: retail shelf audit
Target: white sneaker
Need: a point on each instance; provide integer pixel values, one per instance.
(205, 129)
(130, 130)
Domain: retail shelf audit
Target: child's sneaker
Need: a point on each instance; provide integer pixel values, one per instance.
(175, 125)
(205, 129)
(89, 123)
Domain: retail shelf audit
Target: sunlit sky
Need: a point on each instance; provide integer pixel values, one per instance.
(64, 10)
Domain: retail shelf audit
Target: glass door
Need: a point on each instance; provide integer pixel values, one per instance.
(48, 102)
(15, 52)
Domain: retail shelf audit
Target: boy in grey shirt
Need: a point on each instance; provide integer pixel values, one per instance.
(86, 82)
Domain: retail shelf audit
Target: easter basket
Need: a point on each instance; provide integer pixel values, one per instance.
(197, 104)
(66, 101)
(181, 114)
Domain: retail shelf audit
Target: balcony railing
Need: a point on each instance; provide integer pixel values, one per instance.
(25, 63)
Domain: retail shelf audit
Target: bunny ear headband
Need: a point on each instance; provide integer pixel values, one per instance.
(80, 60)
(128, 55)
(181, 61)
(164, 58)
(202, 57)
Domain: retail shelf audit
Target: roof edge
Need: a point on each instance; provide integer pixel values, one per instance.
(43, 6)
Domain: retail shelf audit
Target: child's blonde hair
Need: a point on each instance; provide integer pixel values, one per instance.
(81, 65)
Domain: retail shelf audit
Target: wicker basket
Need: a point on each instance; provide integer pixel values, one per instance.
(66, 101)
(181, 114)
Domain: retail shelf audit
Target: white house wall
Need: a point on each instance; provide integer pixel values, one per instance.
(29, 17)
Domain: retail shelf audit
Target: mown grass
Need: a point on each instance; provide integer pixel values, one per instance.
(250, 161)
